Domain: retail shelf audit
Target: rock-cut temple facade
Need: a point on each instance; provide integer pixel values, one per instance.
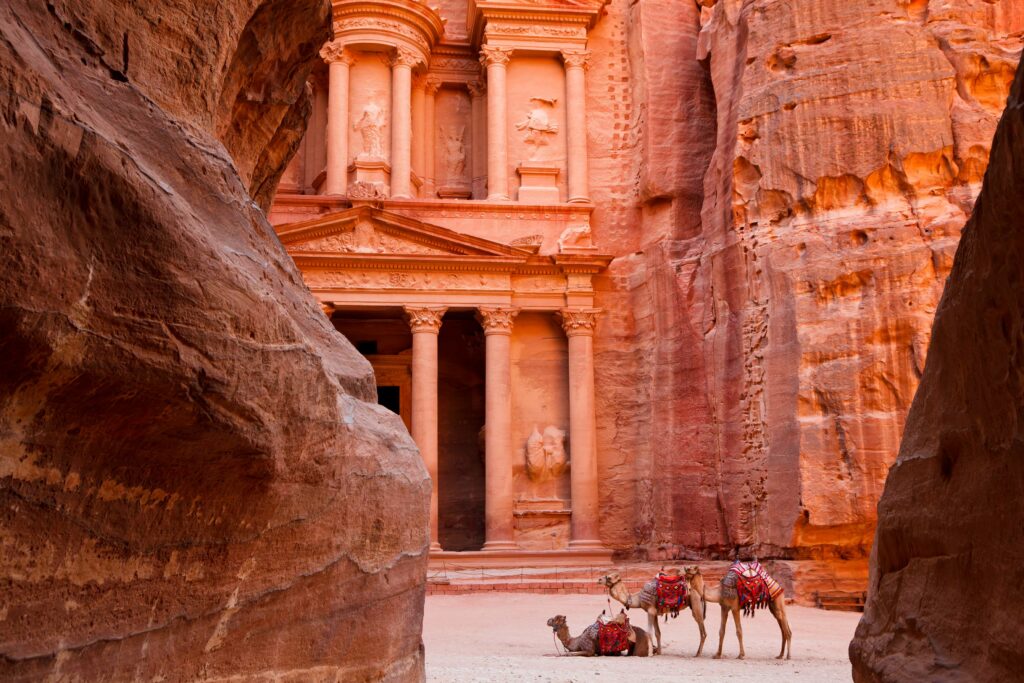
(439, 210)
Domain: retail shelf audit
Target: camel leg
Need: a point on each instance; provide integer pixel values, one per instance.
(698, 616)
(739, 631)
(652, 624)
(721, 630)
(778, 609)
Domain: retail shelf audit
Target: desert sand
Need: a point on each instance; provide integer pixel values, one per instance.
(503, 637)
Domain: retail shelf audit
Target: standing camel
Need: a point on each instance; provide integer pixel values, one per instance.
(725, 594)
(647, 600)
(586, 644)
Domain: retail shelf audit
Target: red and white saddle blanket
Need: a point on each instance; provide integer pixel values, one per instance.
(754, 587)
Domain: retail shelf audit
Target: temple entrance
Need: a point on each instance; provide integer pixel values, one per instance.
(460, 461)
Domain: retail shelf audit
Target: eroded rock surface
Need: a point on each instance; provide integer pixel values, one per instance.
(800, 174)
(195, 483)
(950, 519)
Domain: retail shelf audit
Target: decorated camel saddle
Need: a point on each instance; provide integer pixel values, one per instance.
(614, 634)
(667, 591)
(754, 587)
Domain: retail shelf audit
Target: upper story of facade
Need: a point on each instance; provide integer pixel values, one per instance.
(473, 105)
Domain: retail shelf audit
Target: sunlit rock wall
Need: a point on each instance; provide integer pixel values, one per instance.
(195, 481)
(784, 184)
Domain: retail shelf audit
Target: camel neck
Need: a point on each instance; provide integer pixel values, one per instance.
(563, 635)
(620, 593)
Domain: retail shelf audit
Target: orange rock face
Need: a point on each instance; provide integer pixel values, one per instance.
(950, 520)
(799, 176)
(195, 482)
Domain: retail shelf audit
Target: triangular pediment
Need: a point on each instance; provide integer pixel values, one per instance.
(371, 231)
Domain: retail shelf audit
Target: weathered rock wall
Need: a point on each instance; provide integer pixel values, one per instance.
(195, 483)
(799, 176)
(950, 518)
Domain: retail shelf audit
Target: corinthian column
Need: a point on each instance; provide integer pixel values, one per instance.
(579, 328)
(425, 323)
(401, 122)
(497, 324)
(576, 123)
(478, 162)
(339, 60)
(496, 60)
(418, 128)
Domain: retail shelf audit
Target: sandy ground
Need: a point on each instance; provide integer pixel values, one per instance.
(503, 637)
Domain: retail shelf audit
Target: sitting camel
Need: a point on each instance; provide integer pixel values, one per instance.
(586, 644)
(647, 600)
(727, 596)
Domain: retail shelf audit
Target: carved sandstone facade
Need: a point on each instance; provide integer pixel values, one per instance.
(764, 293)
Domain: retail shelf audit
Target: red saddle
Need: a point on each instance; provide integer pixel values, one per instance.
(612, 637)
(672, 592)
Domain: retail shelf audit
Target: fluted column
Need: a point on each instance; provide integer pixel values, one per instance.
(418, 127)
(496, 60)
(579, 328)
(339, 60)
(425, 323)
(477, 91)
(576, 123)
(401, 122)
(497, 324)
(430, 88)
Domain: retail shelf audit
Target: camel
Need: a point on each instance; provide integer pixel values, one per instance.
(646, 600)
(725, 595)
(586, 645)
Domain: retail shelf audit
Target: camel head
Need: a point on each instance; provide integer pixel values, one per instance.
(556, 622)
(691, 571)
(609, 580)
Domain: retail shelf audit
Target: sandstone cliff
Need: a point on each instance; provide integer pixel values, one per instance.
(195, 482)
(950, 519)
(801, 172)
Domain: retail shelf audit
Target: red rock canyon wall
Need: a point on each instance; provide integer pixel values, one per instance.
(195, 482)
(946, 565)
(796, 178)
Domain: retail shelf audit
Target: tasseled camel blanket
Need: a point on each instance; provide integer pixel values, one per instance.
(667, 591)
(754, 587)
(614, 635)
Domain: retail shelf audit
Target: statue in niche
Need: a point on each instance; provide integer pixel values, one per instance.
(537, 126)
(545, 454)
(454, 153)
(371, 126)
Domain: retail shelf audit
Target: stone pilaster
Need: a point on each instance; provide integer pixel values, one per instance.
(576, 123)
(401, 122)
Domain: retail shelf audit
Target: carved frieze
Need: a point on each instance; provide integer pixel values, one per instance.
(401, 279)
(504, 29)
(382, 25)
(361, 189)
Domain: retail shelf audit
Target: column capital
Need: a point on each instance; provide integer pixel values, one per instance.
(490, 54)
(576, 58)
(477, 88)
(431, 84)
(328, 308)
(579, 321)
(425, 318)
(336, 52)
(403, 56)
(496, 319)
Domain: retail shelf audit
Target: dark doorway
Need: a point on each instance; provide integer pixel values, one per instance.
(390, 398)
(460, 419)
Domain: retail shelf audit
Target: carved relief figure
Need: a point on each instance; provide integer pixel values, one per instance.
(371, 126)
(454, 153)
(545, 454)
(576, 237)
(537, 126)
